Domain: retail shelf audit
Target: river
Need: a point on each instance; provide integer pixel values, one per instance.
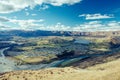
(7, 65)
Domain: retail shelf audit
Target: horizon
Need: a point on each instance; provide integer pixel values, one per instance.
(64, 15)
(59, 30)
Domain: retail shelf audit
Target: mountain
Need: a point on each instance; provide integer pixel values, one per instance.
(38, 33)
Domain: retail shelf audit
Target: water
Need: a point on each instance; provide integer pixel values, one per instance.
(6, 64)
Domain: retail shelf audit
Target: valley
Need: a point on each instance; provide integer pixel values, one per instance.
(59, 40)
(32, 53)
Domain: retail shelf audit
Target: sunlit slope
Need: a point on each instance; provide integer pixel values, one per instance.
(106, 71)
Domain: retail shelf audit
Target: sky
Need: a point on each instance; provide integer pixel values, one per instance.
(60, 15)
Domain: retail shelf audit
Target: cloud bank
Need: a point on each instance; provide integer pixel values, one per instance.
(96, 16)
(32, 24)
(8, 6)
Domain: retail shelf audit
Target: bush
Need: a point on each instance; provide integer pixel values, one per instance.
(66, 54)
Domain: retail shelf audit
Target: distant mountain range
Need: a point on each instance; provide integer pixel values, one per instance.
(38, 33)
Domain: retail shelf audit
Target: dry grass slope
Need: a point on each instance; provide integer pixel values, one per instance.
(106, 71)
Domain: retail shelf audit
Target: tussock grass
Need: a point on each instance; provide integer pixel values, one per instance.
(106, 71)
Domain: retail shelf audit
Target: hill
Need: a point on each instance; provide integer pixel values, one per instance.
(37, 33)
(106, 71)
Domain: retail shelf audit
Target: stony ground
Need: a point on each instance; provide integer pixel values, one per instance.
(106, 71)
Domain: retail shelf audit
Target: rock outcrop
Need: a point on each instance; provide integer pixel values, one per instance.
(115, 42)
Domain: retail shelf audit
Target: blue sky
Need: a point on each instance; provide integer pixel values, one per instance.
(60, 15)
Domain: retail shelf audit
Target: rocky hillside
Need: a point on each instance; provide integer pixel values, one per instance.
(115, 42)
(106, 71)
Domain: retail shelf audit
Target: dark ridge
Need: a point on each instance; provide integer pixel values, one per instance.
(38, 33)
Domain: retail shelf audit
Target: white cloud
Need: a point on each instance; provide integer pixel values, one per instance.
(33, 14)
(89, 27)
(7, 6)
(96, 16)
(27, 24)
(26, 9)
(21, 24)
(61, 2)
(3, 19)
(98, 26)
(14, 17)
(57, 27)
(27, 13)
(43, 7)
(32, 24)
(25, 21)
(5, 27)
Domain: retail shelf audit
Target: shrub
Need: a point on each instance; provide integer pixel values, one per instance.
(66, 54)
